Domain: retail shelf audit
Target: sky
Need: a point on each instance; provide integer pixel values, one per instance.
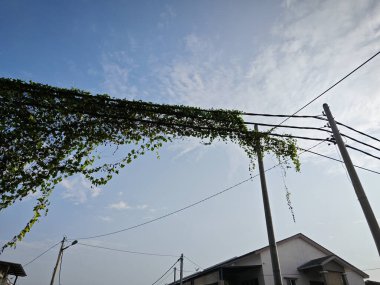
(255, 56)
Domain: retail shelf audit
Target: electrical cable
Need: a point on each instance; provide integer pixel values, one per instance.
(296, 137)
(169, 214)
(362, 151)
(289, 127)
(332, 158)
(50, 248)
(328, 89)
(283, 116)
(128, 251)
(165, 273)
(194, 263)
(166, 278)
(362, 133)
(214, 195)
(358, 141)
(186, 207)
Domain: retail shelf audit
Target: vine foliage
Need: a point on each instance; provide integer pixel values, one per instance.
(49, 133)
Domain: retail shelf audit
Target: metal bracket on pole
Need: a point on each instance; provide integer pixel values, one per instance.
(366, 207)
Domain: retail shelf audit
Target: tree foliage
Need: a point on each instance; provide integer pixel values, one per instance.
(50, 133)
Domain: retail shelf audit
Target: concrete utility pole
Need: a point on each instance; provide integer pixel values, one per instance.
(181, 270)
(58, 260)
(366, 207)
(268, 217)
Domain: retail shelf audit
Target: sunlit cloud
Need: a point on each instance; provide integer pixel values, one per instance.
(121, 205)
(78, 189)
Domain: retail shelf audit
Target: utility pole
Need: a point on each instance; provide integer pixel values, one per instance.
(268, 216)
(175, 274)
(366, 207)
(58, 259)
(181, 269)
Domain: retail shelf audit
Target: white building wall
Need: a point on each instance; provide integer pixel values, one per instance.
(354, 278)
(291, 254)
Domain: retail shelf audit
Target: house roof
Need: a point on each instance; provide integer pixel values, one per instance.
(257, 251)
(316, 262)
(15, 269)
(326, 259)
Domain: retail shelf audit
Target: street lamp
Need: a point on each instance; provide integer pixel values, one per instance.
(63, 247)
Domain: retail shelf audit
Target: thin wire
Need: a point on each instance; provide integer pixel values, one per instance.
(128, 251)
(194, 263)
(50, 248)
(171, 213)
(289, 127)
(283, 116)
(362, 151)
(362, 133)
(167, 276)
(358, 141)
(332, 158)
(343, 165)
(328, 89)
(187, 207)
(296, 137)
(165, 273)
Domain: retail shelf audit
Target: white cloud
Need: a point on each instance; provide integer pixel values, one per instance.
(310, 50)
(105, 218)
(116, 69)
(121, 205)
(78, 189)
(142, 207)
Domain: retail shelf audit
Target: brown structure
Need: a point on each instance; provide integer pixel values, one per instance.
(10, 268)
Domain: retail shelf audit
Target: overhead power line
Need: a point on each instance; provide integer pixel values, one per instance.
(328, 89)
(184, 208)
(165, 273)
(338, 160)
(358, 141)
(38, 256)
(194, 263)
(169, 214)
(284, 116)
(290, 127)
(128, 251)
(359, 132)
(362, 151)
(215, 195)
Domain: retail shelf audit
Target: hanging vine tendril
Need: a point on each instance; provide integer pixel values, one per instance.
(50, 133)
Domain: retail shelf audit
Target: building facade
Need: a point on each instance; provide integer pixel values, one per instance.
(302, 262)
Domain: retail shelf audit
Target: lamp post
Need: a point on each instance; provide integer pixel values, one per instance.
(63, 247)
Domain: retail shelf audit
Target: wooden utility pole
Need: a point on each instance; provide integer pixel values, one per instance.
(366, 207)
(175, 274)
(181, 269)
(58, 260)
(268, 216)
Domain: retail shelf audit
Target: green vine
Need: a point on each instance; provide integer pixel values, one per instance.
(50, 133)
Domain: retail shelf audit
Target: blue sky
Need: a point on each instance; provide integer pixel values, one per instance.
(259, 57)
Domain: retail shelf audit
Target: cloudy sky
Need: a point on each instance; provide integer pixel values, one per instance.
(255, 56)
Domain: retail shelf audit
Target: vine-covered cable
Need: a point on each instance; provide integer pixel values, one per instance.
(50, 133)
